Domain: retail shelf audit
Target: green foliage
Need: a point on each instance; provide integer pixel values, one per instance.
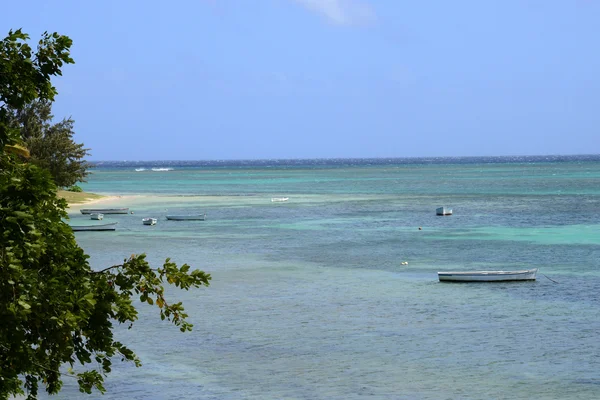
(54, 309)
(25, 75)
(75, 188)
(51, 145)
(32, 118)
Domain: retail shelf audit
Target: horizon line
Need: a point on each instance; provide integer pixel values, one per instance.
(350, 158)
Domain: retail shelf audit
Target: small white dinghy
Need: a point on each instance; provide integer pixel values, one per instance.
(193, 217)
(149, 221)
(105, 210)
(279, 199)
(97, 217)
(487, 276)
(102, 227)
(443, 211)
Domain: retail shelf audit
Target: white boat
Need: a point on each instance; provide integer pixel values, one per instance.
(102, 227)
(97, 217)
(104, 210)
(443, 211)
(279, 199)
(140, 169)
(192, 217)
(487, 276)
(149, 221)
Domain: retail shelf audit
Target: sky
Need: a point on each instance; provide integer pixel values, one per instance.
(288, 79)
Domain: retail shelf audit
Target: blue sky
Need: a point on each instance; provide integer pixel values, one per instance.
(259, 79)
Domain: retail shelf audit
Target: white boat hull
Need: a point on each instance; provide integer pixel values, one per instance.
(149, 221)
(443, 211)
(104, 210)
(487, 276)
(102, 227)
(200, 217)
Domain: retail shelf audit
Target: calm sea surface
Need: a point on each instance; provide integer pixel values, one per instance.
(310, 299)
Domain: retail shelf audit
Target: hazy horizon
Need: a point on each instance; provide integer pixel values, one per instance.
(424, 158)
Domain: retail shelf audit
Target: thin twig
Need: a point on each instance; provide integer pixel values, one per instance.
(106, 269)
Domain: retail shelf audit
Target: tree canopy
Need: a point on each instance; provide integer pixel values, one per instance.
(26, 75)
(55, 309)
(51, 145)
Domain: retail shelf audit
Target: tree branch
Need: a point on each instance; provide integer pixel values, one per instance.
(106, 269)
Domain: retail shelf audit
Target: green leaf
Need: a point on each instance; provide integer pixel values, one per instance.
(90, 299)
(24, 304)
(22, 214)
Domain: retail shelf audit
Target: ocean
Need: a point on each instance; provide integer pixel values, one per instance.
(312, 298)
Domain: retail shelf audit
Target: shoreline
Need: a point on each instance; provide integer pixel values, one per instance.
(104, 199)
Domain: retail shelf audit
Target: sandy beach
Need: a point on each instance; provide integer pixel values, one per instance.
(104, 201)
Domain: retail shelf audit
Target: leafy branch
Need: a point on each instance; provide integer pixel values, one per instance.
(54, 309)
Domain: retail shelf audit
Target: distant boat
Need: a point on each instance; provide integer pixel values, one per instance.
(97, 217)
(149, 221)
(102, 227)
(279, 199)
(140, 169)
(443, 211)
(488, 276)
(104, 210)
(193, 217)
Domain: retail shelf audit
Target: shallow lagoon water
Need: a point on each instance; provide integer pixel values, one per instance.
(309, 299)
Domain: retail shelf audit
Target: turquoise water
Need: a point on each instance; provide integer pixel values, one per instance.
(310, 300)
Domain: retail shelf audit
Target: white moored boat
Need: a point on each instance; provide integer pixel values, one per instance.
(443, 211)
(104, 210)
(102, 227)
(149, 221)
(97, 217)
(487, 276)
(193, 217)
(279, 199)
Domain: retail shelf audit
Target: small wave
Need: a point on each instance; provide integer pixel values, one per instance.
(162, 169)
(140, 169)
